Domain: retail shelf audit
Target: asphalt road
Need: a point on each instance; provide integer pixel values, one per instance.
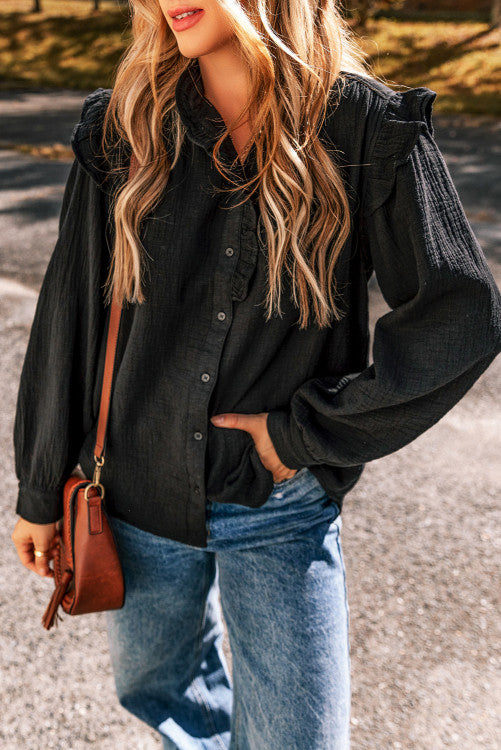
(420, 530)
(39, 117)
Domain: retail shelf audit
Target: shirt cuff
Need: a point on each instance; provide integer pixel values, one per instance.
(39, 506)
(288, 443)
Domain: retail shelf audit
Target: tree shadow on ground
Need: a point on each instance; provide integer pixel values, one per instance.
(414, 59)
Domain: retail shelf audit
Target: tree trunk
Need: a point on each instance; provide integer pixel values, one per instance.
(36, 6)
(96, 4)
(496, 12)
(364, 11)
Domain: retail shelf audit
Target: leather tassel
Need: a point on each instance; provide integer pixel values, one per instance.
(51, 615)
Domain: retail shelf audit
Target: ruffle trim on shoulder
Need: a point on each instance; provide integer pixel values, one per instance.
(406, 116)
(86, 138)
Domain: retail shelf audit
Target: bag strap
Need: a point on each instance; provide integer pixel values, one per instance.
(109, 363)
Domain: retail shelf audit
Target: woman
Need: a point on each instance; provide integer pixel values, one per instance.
(244, 406)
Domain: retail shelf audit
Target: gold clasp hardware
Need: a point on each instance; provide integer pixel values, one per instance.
(98, 486)
(97, 469)
(95, 479)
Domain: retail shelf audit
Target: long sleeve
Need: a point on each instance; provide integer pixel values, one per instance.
(55, 389)
(444, 326)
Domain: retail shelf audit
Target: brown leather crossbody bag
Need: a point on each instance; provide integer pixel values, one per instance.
(87, 571)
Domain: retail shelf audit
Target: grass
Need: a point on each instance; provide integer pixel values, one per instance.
(66, 46)
(70, 46)
(461, 61)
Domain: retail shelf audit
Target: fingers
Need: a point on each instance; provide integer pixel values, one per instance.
(40, 565)
(42, 559)
(29, 537)
(256, 426)
(251, 423)
(25, 553)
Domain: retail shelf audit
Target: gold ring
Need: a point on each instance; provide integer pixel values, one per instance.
(40, 553)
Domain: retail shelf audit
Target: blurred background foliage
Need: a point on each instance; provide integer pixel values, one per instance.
(450, 46)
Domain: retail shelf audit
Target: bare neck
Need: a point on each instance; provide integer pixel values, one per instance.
(226, 86)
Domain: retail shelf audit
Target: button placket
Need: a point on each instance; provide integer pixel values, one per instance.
(210, 354)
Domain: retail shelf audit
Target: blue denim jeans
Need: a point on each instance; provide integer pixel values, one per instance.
(276, 574)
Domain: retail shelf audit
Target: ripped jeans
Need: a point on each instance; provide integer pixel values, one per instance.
(276, 574)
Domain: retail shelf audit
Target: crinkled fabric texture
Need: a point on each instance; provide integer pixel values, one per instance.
(200, 344)
(86, 138)
(407, 116)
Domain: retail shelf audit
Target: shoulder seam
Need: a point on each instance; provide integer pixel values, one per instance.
(378, 87)
(383, 95)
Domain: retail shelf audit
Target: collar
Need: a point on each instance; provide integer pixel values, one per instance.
(203, 122)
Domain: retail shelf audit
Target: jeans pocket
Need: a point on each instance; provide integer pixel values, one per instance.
(290, 480)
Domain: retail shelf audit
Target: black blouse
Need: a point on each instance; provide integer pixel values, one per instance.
(200, 344)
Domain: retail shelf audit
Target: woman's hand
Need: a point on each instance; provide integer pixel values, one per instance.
(255, 425)
(29, 537)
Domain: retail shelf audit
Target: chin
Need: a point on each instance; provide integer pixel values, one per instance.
(202, 43)
(195, 49)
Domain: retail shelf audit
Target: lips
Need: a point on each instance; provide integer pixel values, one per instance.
(182, 9)
(187, 22)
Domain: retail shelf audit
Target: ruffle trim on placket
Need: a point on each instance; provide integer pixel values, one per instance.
(249, 249)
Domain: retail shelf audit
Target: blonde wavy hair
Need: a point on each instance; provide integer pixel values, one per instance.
(295, 52)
